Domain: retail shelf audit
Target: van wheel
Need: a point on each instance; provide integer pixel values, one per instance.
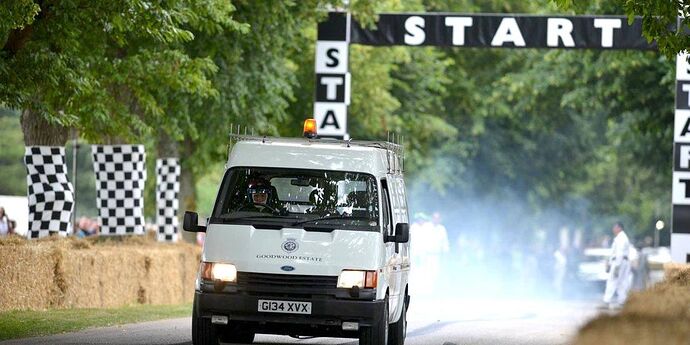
(236, 336)
(398, 330)
(203, 331)
(377, 334)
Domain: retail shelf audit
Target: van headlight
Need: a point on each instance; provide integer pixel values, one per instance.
(216, 271)
(362, 279)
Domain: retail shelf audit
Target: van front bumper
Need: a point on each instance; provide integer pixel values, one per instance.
(327, 312)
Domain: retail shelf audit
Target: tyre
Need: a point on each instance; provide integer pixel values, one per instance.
(376, 334)
(398, 330)
(203, 331)
(237, 336)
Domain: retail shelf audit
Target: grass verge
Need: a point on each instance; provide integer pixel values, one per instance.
(31, 323)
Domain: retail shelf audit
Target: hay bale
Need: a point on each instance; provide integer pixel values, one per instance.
(102, 277)
(664, 300)
(95, 272)
(163, 286)
(26, 276)
(659, 315)
(116, 275)
(634, 329)
(677, 274)
(12, 240)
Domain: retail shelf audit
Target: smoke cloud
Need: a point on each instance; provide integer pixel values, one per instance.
(497, 248)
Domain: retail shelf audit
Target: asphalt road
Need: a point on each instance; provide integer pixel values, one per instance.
(444, 322)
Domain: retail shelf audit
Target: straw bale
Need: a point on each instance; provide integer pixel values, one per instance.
(634, 329)
(659, 315)
(677, 274)
(26, 276)
(95, 272)
(12, 240)
(662, 300)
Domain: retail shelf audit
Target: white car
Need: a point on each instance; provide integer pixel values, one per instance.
(592, 268)
(308, 237)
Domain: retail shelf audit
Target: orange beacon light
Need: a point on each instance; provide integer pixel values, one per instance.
(310, 128)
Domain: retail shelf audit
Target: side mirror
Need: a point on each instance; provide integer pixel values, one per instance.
(402, 233)
(191, 222)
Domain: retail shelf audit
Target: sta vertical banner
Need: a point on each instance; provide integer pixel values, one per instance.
(332, 77)
(680, 237)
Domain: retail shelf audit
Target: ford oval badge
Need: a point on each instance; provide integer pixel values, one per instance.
(287, 268)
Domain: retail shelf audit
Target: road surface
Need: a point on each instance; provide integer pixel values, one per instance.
(444, 322)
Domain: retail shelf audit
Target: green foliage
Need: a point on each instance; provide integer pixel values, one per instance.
(85, 184)
(589, 125)
(17, 14)
(664, 22)
(583, 133)
(103, 67)
(207, 185)
(12, 169)
(587, 133)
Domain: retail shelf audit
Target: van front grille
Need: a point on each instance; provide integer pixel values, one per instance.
(260, 280)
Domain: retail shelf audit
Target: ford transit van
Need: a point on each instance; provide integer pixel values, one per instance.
(308, 237)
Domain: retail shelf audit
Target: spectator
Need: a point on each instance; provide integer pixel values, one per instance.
(6, 225)
(81, 227)
(86, 227)
(93, 228)
(618, 267)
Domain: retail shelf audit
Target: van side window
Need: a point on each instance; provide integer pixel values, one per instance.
(387, 227)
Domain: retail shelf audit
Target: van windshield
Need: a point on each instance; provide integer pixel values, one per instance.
(298, 198)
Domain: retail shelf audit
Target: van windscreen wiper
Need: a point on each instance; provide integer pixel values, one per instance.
(258, 216)
(329, 218)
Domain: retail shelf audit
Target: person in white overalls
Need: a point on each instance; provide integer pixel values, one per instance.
(618, 267)
(421, 247)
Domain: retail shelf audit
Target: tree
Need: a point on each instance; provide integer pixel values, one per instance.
(264, 78)
(100, 67)
(572, 133)
(13, 180)
(664, 22)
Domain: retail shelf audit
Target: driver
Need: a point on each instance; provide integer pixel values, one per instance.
(261, 193)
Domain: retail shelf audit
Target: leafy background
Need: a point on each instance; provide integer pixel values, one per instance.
(510, 144)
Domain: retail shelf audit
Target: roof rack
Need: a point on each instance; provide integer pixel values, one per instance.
(395, 149)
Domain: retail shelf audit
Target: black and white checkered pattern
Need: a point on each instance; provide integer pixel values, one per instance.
(120, 176)
(50, 194)
(167, 204)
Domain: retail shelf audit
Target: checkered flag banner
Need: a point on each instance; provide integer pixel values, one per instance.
(120, 176)
(167, 204)
(50, 194)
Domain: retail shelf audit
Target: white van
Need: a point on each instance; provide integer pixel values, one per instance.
(308, 237)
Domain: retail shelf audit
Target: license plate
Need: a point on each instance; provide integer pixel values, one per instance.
(287, 307)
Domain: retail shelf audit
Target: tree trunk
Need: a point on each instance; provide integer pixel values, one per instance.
(51, 198)
(166, 151)
(167, 147)
(39, 132)
(187, 185)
